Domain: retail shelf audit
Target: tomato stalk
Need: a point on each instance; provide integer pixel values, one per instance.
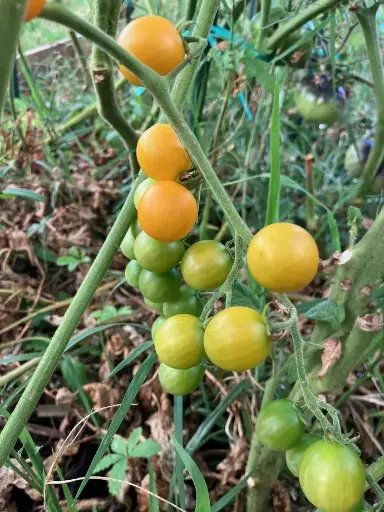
(264, 15)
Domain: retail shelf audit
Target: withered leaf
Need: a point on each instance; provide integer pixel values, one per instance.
(331, 354)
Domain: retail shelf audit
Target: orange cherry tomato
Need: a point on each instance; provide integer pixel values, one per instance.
(167, 211)
(34, 8)
(160, 153)
(155, 42)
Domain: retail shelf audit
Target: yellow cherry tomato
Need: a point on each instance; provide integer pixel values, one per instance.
(236, 339)
(283, 257)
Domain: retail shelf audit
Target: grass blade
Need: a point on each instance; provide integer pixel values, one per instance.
(273, 204)
(132, 356)
(229, 496)
(178, 421)
(71, 505)
(153, 502)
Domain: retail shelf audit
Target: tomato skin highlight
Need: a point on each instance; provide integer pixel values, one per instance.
(179, 342)
(236, 339)
(34, 8)
(294, 455)
(144, 185)
(132, 273)
(186, 303)
(180, 382)
(156, 325)
(157, 256)
(156, 306)
(167, 211)
(160, 153)
(332, 477)
(278, 425)
(155, 42)
(159, 287)
(283, 257)
(206, 265)
(127, 245)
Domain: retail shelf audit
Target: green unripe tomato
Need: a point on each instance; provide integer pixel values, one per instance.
(144, 185)
(132, 273)
(278, 426)
(156, 325)
(180, 382)
(316, 109)
(156, 306)
(332, 477)
(206, 265)
(127, 245)
(186, 303)
(160, 287)
(157, 256)
(136, 228)
(295, 454)
(352, 163)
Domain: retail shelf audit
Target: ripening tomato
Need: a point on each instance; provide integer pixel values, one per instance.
(127, 245)
(156, 306)
(317, 108)
(157, 256)
(283, 257)
(332, 477)
(144, 185)
(206, 265)
(156, 325)
(186, 303)
(278, 425)
(160, 287)
(236, 339)
(167, 211)
(34, 8)
(294, 455)
(180, 382)
(179, 342)
(160, 153)
(155, 42)
(132, 273)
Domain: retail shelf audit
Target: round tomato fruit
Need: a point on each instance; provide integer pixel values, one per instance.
(278, 426)
(157, 256)
(294, 455)
(155, 42)
(34, 8)
(144, 185)
(127, 245)
(160, 153)
(180, 382)
(135, 228)
(179, 342)
(236, 339)
(206, 265)
(318, 109)
(186, 303)
(159, 287)
(167, 211)
(156, 325)
(132, 273)
(332, 477)
(156, 306)
(283, 257)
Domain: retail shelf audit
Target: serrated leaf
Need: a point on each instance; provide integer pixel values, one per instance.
(133, 439)
(327, 311)
(118, 445)
(354, 217)
(146, 449)
(260, 71)
(118, 472)
(243, 296)
(107, 461)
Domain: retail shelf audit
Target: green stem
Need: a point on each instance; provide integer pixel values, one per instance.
(264, 16)
(376, 470)
(310, 186)
(106, 18)
(11, 21)
(298, 21)
(81, 58)
(367, 19)
(18, 372)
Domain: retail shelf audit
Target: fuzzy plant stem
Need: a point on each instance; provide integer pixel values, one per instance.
(11, 21)
(106, 18)
(367, 19)
(264, 16)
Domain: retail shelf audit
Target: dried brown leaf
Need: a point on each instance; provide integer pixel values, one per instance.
(331, 354)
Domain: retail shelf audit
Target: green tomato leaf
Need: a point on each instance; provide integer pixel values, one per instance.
(243, 296)
(260, 71)
(107, 462)
(133, 439)
(146, 449)
(327, 311)
(117, 472)
(118, 445)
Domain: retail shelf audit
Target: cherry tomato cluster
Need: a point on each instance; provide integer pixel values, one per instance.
(331, 476)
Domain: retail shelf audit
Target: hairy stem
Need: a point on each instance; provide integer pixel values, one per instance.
(79, 52)
(264, 16)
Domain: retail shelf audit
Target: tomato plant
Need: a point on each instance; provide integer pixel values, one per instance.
(160, 153)
(156, 306)
(127, 245)
(135, 228)
(155, 42)
(278, 425)
(160, 287)
(157, 256)
(132, 273)
(180, 382)
(34, 8)
(236, 339)
(167, 211)
(144, 185)
(179, 342)
(294, 455)
(206, 265)
(317, 108)
(332, 477)
(283, 257)
(156, 325)
(186, 303)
